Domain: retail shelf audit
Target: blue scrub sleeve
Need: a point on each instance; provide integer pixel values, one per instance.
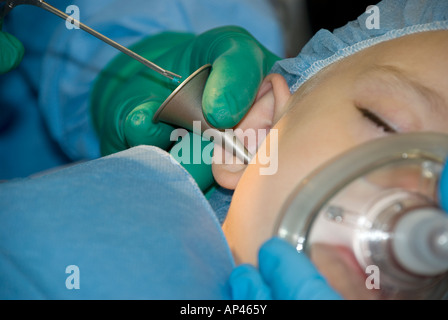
(134, 224)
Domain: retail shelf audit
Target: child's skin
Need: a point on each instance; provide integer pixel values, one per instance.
(402, 82)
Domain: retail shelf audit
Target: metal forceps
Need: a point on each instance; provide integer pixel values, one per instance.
(7, 5)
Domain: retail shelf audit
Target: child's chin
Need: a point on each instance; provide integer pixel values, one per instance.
(338, 265)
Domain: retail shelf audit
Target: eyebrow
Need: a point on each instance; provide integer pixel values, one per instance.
(434, 100)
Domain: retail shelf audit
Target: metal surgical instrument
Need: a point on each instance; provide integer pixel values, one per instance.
(8, 5)
(184, 106)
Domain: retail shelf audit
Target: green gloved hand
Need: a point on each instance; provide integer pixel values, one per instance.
(11, 51)
(127, 94)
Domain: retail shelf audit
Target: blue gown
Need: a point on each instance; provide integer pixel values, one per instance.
(134, 224)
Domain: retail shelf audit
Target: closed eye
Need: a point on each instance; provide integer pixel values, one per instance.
(376, 120)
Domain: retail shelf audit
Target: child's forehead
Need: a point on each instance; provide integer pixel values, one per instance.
(396, 79)
(399, 60)
(418, 74)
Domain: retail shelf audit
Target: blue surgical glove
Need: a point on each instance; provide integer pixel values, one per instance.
(443, 189)
(283, 274)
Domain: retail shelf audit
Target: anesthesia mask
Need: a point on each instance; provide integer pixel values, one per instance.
(377, 206)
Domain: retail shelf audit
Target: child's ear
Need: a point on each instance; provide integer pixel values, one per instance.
(270, 104)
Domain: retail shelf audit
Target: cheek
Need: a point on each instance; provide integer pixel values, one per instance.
(259, 198)
(252, 215)
(305, 141)
(308, 145)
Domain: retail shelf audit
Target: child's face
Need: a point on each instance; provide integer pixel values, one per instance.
(396, 86)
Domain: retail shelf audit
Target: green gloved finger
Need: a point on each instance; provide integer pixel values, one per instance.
(239, 64)
(129, 123)
(231, 88)
(139, 127)
(195, 154)
(11, 51)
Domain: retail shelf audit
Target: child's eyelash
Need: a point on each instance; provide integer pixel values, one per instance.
(376, 120)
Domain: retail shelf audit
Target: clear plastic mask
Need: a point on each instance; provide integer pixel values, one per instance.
(377, 208)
